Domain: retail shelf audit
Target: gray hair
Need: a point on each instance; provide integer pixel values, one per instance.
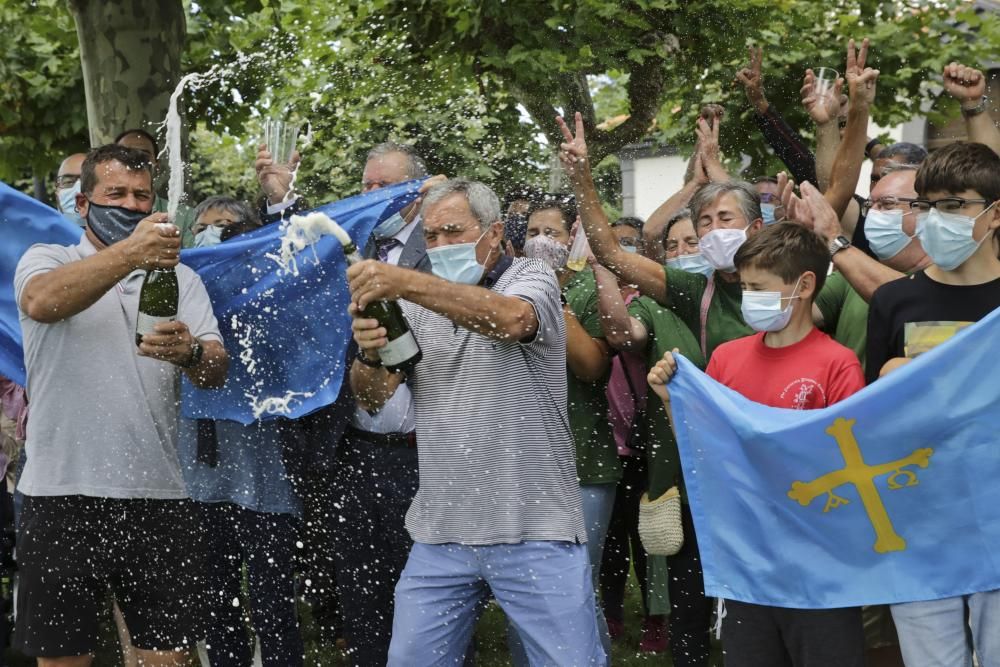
(897, 166)
(240, 209)
(910, 153)
(746, 194)
(415, 168)
(483, 202)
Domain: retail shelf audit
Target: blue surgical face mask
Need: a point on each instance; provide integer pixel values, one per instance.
(208, 237)
(767, 212)
(457, 262)
(947, 237)
(389, 227)
(762, 311)
(695, 263)
(67, 204)
(884, 231)
(112, 224)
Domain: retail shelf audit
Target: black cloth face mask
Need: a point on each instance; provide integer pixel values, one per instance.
(112, 224)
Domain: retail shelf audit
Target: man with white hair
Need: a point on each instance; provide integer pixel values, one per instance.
(499, 503)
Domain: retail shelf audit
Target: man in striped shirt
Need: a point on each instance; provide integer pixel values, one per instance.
(499, 503)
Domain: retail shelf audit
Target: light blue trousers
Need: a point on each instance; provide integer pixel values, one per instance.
(544, 588)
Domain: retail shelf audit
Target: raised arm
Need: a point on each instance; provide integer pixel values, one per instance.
(861, 82)
(824, 111)
(968, 86)
(621, 330)
(72, 288)
(632, 268)
(863, 273)
(655, 226)
(472, 307)
(786, 143)
(708, 142)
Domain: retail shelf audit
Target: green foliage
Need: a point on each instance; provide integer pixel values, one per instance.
(43, 114)
(357, 84)
(454, 76)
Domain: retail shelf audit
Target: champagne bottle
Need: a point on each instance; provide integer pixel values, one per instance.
(157, 301)
(402, 352)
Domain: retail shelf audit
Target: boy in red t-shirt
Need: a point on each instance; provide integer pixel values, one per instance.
(789, 363)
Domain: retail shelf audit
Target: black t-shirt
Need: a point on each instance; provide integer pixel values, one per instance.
(909, 316)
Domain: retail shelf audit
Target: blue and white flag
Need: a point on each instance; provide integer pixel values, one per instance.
(286, 335)
(892, 495)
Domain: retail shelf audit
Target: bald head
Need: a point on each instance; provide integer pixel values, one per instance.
(69, 171)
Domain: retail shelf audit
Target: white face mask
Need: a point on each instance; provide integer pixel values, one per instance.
(884, 231)
(457, 262)
(762, 311)
(947, 237)
(695, 263)
(719, 246)
(389, 227)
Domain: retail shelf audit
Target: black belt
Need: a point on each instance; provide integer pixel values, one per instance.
(407, 440)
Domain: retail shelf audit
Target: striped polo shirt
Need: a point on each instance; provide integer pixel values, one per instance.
(497, 461)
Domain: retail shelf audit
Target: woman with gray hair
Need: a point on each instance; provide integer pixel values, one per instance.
(219, 218)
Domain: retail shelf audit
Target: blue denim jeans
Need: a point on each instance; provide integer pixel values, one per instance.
(944, 633)
(598, 503)
(544, 588)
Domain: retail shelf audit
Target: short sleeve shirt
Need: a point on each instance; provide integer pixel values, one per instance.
(725, 319)
(497, 463)
(103, 420)
(845, 314)
(596, 453)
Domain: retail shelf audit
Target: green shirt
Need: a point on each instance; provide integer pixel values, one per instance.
(596, 453)
(725, 319)
(665, 331)
(184, 220)
(845, 314)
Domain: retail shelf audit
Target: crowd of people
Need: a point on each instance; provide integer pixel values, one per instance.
(512, 462)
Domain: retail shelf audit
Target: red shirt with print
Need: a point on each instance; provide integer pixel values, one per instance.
(811, 374)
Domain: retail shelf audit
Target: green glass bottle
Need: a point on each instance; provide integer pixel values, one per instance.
(157, 301)
(402, 352)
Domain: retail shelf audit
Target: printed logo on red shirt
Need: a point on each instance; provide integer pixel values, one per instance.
(804, 394)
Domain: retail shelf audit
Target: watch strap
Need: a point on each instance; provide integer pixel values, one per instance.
(197, 350)
(372, 363)
(976, 110)
(838, 244)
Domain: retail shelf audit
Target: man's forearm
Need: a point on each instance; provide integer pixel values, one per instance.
(982, 130)
(632, 268)
(211, 371)
(72, 288)
(863, 273)
(474, 308)
(373, 387)
(827, 143)
(850, 155)
(656, 223)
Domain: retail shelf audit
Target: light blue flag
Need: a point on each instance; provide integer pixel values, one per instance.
(892, 495)
(286, 335)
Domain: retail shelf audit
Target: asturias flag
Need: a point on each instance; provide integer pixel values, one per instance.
(892, 495)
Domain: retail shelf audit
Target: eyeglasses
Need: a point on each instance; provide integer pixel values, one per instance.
(769, 198)
(629, 241)
(67, 180)
(883, 203)
(945, 205)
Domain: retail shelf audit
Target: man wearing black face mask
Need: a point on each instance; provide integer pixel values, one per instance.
(105, 503)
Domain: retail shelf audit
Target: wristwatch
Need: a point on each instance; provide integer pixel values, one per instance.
(196, 351)
(363, 358)
(838, 244)
(976, 110)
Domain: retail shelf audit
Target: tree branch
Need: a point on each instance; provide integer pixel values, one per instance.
(645, 91)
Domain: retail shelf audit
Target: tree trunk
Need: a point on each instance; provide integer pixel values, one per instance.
(131, 56)
(38, 185)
